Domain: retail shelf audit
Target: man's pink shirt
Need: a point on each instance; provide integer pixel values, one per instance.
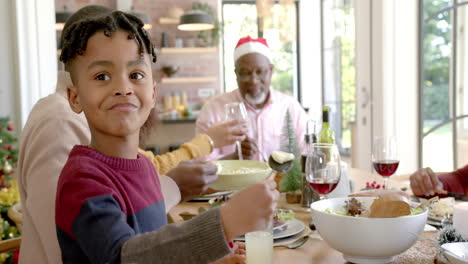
(266, 125)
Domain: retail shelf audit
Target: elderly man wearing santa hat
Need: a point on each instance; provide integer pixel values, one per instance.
(265, 106)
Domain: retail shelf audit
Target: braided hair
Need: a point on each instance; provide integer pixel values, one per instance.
(75, 36)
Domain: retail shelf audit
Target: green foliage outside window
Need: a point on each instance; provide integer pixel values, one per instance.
(436, 65)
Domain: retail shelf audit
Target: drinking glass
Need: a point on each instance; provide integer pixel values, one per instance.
(259, 247)
(323, 169)
(236, 111)
(385, 157)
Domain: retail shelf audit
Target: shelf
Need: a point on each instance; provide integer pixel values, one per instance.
(168, 20)
(188, 50)
(181, 80)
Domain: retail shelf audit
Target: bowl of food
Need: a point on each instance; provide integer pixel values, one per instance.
(363, 230)
(238, 174)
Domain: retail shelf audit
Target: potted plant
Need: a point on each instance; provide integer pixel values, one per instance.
(209, 38)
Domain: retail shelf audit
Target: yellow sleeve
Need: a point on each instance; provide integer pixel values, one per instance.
(197, 147)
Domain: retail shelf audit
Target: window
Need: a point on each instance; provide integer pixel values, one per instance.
(240, 19)
(443, 133)
(338, 52)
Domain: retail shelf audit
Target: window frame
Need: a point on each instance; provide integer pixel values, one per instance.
(453, 83)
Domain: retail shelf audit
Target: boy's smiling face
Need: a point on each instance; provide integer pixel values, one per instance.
(113, 85)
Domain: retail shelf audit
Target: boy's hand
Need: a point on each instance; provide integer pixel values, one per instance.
(193, 177)
(249, 210)
(249, 148)
(227, 133)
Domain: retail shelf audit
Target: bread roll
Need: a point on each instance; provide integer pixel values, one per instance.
(390, 205)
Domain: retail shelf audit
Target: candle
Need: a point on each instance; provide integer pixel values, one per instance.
(460, 219)
(259, 247)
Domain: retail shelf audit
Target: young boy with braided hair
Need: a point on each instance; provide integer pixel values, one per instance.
(109, 207)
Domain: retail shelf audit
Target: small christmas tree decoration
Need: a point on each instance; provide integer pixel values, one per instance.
(291, 181)
(448, 234)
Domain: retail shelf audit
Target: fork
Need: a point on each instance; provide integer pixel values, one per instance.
(296, 243)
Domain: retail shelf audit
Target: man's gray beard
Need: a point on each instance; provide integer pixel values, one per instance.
(260, 99)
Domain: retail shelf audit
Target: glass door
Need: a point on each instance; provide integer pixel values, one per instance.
(339, 69)
(443, 132)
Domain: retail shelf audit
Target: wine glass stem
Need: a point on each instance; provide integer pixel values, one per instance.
(239, 150)
(385, 182)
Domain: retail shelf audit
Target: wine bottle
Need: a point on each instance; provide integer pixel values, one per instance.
(308, 195)
(326, 135)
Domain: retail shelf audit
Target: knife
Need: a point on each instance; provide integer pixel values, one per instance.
(457, 196)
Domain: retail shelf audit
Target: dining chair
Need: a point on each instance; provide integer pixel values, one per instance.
(10, 244)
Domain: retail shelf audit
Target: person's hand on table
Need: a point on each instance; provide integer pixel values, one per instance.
(236, 257)
(250, 209)
(249, 148)
(227, 133)
(424, 182)
(193, 177)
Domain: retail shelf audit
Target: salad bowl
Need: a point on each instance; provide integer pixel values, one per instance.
(238, 174)
(366, 240)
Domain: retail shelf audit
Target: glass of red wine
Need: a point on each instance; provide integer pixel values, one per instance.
(385, 157)
(323, 168)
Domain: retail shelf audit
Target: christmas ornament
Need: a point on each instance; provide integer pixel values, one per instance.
(7, 167)
(11, 127)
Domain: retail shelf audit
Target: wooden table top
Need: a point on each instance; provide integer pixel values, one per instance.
(316, 250)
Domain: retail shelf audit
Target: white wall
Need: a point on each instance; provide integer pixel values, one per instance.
(310, 61)
(394, 45)
(386, 65)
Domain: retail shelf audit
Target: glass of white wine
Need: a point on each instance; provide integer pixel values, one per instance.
(236, 111)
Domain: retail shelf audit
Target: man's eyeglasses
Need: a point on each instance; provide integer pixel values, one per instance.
(246, 75)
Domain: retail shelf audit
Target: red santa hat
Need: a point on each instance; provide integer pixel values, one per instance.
(249, 45)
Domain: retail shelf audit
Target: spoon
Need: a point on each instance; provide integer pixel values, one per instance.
(296, 243)
(280, 167)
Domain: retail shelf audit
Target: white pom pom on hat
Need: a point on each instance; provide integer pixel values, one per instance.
(249, 45)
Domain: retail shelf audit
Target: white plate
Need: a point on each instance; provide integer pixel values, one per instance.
(207, 197)
(429, 228)
(457, 253)
(294, 227)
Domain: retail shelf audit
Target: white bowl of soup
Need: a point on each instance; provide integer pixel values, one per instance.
(363, 239)
(238, 174)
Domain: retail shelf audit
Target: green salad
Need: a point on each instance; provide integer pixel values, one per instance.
(355, 208)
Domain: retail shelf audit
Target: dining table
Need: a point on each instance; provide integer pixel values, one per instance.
(316, 250)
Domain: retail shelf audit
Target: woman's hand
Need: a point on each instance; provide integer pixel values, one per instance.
(249, 148)
(193, 177)
(227, 133)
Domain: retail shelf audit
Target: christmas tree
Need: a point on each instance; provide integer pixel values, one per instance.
(8, 151)
(9, 194)
(292, 180)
